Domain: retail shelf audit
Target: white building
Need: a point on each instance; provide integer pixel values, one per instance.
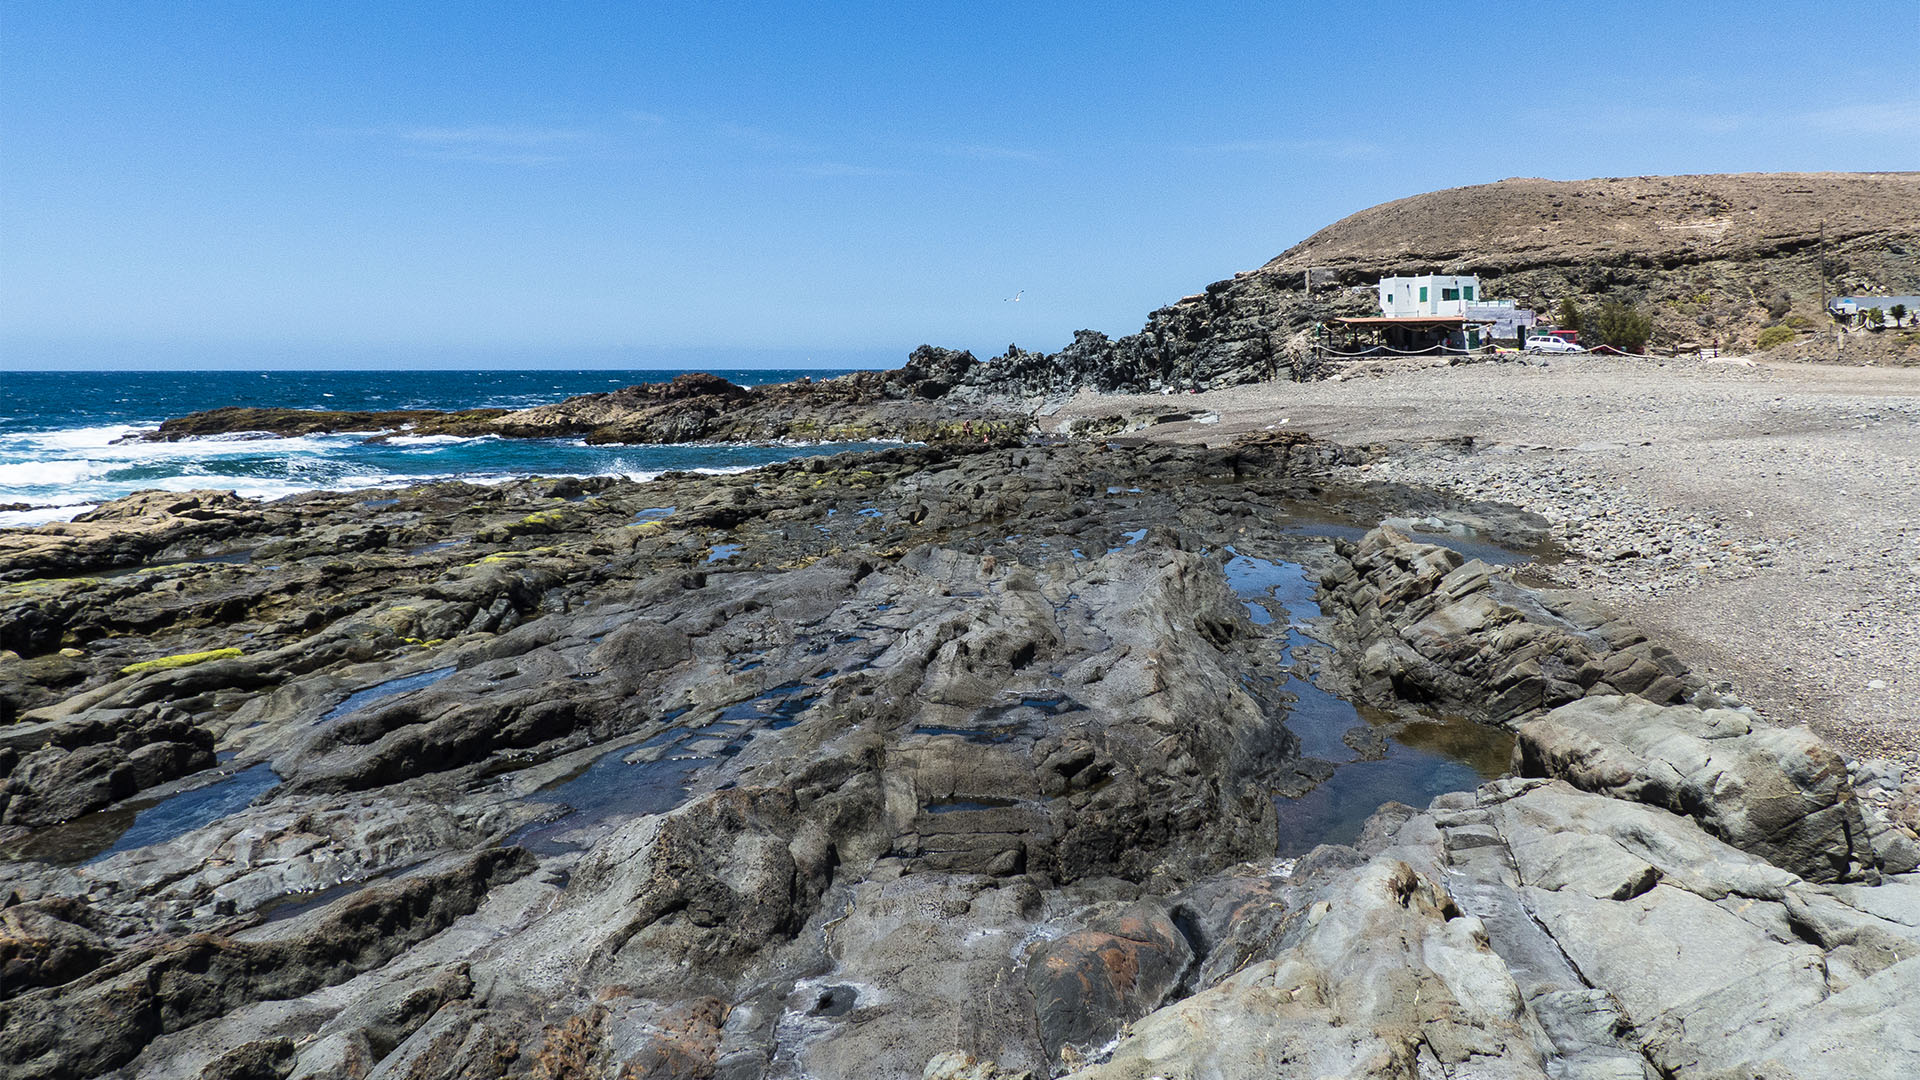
(1432, 294)
(1505, 319)
(1853, 308)
(1455, 298)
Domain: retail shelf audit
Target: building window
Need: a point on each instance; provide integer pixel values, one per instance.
(1449, 294)
(1423, 294)
(1389, 299)
(1469, 294)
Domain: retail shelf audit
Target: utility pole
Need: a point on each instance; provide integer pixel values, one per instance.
(1820, 267)
(1314, 312)
(1820, 264)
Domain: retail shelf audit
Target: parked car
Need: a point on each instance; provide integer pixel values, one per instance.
(1552, 344)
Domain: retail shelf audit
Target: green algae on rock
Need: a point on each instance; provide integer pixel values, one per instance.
(168, 663)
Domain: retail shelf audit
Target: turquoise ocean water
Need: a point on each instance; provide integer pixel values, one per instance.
(63, 448)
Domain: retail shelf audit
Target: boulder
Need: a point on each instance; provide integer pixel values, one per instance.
(1780, 793)
(1637, 938)
(1388, 979)
(1428, 626)
(1117, 968)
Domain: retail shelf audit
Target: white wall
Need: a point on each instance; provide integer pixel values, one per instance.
(1405, 295)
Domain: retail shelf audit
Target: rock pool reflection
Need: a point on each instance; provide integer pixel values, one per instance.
(1377, 758)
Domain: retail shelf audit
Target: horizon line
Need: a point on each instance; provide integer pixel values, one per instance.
(106, 369)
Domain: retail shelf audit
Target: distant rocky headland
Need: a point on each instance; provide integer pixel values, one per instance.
(1708, 258)
(913, 402)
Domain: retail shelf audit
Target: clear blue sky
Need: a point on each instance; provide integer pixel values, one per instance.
(660, 184)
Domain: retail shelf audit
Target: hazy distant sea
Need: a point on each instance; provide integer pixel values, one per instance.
(60, 451)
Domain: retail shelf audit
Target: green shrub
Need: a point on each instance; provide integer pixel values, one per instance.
(1799, 322)
(1776, 335)
(1619, 325)
(1569, 317)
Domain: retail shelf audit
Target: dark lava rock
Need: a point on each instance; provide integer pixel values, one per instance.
(911, 403)
(47, 942)
(1119, 967)
(289, 422)
(963, 753)
(103, 1020)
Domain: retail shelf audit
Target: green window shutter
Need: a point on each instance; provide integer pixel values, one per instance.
(1423, 294)
(1469, 293)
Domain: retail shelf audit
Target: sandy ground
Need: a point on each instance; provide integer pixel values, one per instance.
(1762, 520)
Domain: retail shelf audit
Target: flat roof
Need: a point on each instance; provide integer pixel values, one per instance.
(1409, 320)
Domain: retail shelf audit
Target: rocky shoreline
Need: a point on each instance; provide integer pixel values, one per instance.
(958, 760)
(1754, 517)
(915, 402)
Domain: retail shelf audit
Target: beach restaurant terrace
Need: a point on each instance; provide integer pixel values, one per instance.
(1390, 335)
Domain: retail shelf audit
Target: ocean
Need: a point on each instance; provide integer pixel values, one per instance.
(63, 448)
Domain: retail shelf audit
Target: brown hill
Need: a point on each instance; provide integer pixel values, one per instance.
(1713, 259)
(1647, 221)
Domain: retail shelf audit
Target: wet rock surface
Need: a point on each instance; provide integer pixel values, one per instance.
(1596, 704)
(1532, 929)
(959, 760)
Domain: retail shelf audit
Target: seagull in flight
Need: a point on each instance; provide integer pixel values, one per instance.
(1015, 298)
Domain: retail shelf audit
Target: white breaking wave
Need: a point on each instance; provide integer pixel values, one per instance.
(81, 438)
(42, 515)
(644, 475)
(437, 440)
(105, 444)
(32, 474)
(66, 472)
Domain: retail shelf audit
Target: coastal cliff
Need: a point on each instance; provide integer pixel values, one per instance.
(1709, 258)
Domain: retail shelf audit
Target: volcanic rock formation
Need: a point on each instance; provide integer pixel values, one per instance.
(1710, 258)
(910, 403)
(953, 761)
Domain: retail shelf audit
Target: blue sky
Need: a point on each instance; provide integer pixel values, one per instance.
(632, 184)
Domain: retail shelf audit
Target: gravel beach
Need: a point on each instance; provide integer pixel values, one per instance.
(1763, 519)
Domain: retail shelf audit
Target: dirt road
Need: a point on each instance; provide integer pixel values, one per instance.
(1764, 520)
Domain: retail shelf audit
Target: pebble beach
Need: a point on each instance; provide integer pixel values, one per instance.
(1762, 518)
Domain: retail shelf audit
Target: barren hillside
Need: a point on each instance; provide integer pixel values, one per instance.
(1665, 222)
(1713, 259)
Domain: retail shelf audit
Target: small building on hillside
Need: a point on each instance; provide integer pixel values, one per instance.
(1430, 314)
(1453, 296)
